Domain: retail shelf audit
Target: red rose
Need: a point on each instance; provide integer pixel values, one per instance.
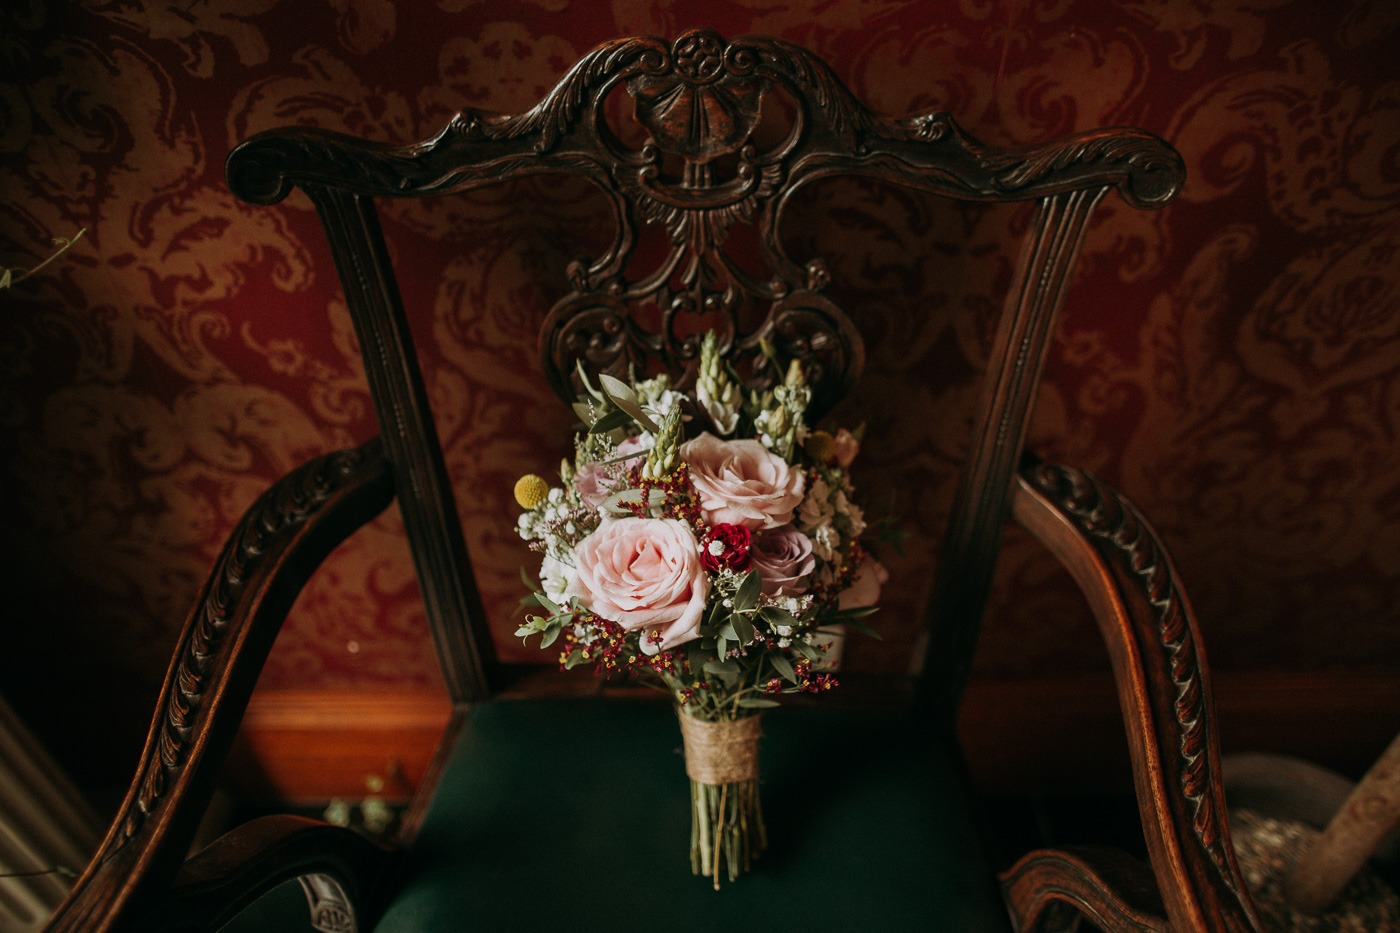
(726, 547)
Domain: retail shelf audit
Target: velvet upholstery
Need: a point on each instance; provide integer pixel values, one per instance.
(574, 815)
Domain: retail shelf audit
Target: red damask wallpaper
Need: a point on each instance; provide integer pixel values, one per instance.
(1232, 362)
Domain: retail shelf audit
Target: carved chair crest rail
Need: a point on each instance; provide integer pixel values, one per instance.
(681, 137)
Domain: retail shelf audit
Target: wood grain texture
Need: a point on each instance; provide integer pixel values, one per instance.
(1164, 692)
(284, 535)
(312, 745)
(1050, 890)
(423, 489)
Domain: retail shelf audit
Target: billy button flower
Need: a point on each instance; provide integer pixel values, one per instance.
(530, 491)
(820, 446)
(725, 547)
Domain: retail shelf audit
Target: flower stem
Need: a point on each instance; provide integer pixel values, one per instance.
(726, 825)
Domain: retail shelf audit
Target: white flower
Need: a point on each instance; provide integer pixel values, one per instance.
(853, 519)
(826, 541)
(555, 576)
(723, 409)
(649, 390)
(816, 509)
(659, 407)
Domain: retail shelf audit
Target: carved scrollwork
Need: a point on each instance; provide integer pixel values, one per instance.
(1147, 172)
(274, 517)
(700, 170)
(592, 331)
(1106, 516)
(809, 327)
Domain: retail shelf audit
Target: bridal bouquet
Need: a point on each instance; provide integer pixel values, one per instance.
(708, 545)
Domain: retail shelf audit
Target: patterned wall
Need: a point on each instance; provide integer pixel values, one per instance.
(1233, 362)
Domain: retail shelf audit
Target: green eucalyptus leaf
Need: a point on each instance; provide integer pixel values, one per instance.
(743, 629)
(747, 596)
(613, 419)
(777, 615)
(784, 667)
(625, 457)
(550, 637)
(716, 666)
(625, 399)
(696, 654)
(583, 380)
(617, 389)
(613, 503)
(728, 630)
(758, 703)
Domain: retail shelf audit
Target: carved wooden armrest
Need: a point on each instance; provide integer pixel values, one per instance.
(1160, 671)
(1049, 889)
(252, 859)
(280, 540)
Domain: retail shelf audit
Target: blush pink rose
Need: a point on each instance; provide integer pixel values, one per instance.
(644, 573)
(783, 558)
(593, 484)
(865, 588)
(741, 482)
(594, 481)
(845, 446)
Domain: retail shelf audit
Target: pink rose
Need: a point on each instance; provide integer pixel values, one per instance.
(783, 559)
(741, 482)
(644, 573)
(631, 448)
(865, 588)
(845, 446)
(595, 481)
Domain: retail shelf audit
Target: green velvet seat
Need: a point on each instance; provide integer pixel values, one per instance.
(574, 815)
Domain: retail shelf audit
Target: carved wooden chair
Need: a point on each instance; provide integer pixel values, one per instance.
(899, 849)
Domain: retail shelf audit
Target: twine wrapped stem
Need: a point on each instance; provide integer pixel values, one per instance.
(723, 752)
(721, 759)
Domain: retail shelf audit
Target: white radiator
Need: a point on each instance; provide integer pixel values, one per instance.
(47, 832)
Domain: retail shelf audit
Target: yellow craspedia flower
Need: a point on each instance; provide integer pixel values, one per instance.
(530, 490)
(820, 446)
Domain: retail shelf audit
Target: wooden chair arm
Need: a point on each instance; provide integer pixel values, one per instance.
(1163, 690)
(252, 859)
(280, 540)
(1049, 889)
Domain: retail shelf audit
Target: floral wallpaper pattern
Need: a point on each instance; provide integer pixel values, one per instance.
(1232, 362)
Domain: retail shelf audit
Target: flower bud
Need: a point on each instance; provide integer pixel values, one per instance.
(715, 388)
(665, 453)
